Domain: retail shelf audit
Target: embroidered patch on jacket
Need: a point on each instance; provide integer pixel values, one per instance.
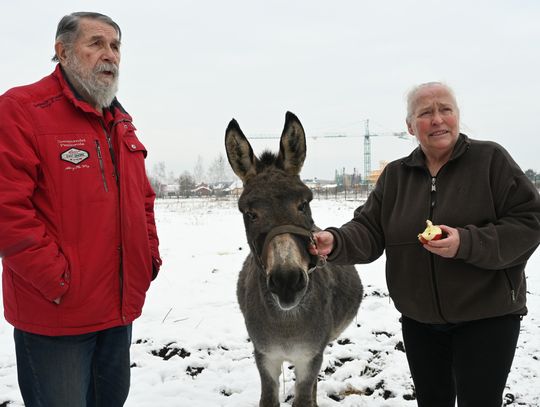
(74, 156)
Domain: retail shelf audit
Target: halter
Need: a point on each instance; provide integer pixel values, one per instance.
(280, 230)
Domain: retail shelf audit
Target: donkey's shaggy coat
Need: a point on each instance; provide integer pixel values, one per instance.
(291, 308)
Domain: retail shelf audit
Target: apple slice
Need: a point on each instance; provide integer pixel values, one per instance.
(432, 232)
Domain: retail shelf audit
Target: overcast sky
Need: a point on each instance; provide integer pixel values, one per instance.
(188, 67)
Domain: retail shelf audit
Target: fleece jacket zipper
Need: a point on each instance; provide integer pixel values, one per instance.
(433, 200)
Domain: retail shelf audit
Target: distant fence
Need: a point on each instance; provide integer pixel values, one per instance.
(340, 193)
(322, 194)
(357, 194)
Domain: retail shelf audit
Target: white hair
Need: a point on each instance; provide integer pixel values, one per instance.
(411, 96)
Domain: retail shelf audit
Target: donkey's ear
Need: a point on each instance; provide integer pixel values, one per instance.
(239, 152)
(292, 148)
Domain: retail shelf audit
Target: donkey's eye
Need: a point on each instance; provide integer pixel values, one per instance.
(303, 206)
(252, 216)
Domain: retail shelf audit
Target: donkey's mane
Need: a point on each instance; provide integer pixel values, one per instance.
(268, 160)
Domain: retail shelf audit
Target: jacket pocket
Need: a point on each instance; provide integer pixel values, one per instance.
(72, 277)
(134, 145)
(132, 163)
(72, 168)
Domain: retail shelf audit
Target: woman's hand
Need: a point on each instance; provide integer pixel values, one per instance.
(324, 243)
(447, 246)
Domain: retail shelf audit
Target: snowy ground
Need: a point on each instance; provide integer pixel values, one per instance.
(190, 347)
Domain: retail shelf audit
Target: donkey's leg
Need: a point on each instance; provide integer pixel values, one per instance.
(306, 381)
(269, 370)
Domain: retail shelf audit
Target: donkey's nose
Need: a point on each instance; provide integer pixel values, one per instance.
(286, 283)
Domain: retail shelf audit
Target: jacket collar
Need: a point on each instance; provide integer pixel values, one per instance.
(418, 159)
(69, 91)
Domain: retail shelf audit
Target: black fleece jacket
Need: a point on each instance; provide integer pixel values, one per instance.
(480, 191)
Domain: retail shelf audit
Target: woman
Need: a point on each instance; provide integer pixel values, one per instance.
(461, 297)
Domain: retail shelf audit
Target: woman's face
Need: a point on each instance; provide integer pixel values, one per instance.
(434, 120)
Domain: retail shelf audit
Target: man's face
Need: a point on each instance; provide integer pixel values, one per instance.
(92, 62)
(435, 119)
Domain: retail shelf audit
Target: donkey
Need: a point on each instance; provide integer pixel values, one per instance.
(293, 303)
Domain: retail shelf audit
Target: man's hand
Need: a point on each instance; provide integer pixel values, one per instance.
(324, 243)
(447, 246)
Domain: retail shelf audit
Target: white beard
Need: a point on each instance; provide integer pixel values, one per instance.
(87, 82)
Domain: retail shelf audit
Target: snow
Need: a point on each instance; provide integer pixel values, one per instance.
(190, 346)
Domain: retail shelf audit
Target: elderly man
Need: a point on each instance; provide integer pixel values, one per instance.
(77, 231)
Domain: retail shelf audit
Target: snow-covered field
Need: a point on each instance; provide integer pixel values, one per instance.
(190, 347)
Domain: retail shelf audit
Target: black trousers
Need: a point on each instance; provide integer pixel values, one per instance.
(469, 360)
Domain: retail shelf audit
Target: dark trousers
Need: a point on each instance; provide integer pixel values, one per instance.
(470, 360)
(86, 370)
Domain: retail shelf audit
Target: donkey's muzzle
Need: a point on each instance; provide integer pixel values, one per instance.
(288, 286)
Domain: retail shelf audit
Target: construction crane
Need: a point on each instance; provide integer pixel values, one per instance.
(367, 143)
(367, 147)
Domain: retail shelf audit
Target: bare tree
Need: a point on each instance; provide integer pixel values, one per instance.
(186, 184)
(198, 171)
(530, 173)
(171, 178)
(159, 170)
(218, 170)
(534, 177)
(155, 184)
(158, 178)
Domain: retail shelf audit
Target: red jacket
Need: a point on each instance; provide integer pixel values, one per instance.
(68, 227)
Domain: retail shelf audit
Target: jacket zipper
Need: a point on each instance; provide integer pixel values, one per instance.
(111, 152)
(120, 251)
(512, 290)
(101, 166)
(432, 201)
